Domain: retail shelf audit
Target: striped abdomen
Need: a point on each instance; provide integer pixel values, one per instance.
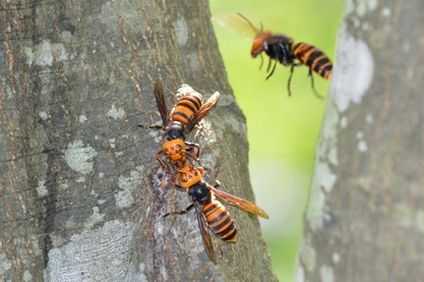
(219, 221)
(314, 58)
(186, 107)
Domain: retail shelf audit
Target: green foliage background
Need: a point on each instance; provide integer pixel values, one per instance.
(283, 131)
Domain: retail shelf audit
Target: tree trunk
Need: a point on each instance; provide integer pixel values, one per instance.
(365, 220)
(79, 192)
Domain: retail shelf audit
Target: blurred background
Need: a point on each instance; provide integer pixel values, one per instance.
(282, 131)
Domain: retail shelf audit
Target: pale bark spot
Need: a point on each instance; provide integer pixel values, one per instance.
(112, 143)
(27, 276)
(308, 256)
(386, 12)
(137, 275)
(181, 31)
(353, 72)
(325, 176)
(128, 184)
(5, 264)
(403, 215)
(366, 6)
(336, 258)
(87, 256)
(362, 146)
(369, 118)
(80, 157)
(193, 61)
(316, 207)
(116, 113)
(327, 274)
(343, 122)
(82, 118)
(300, 274)
(45, 53)
(420, 220)
(43, 115)
(42, 189)
(80, 179)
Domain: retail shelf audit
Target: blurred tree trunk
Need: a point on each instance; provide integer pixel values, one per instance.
(365, 219)
(79, 193)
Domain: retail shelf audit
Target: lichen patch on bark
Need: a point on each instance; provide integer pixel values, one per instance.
(128, 184)
(116, 113)
(326, 273)
(45, 53)
(181, 31)
(353, 57)
(80, 157)
(5, 264)
(88, 256)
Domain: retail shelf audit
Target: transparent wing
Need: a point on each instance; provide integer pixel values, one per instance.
(160, 102)
(237, 23)
(207, 240)
(205, 109)
(239, 202)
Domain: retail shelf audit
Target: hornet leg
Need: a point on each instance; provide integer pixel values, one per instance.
(293, 65)
(165, 166)
(268, 67)
(152, 125)
(290, 79)
(319, 96)
(184, 211)
(262, 62)
(272, 71)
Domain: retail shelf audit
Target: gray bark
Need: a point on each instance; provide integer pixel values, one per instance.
(79, 192)
(365, 219)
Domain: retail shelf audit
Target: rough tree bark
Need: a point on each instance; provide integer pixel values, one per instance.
(79, 194)
(365, 220)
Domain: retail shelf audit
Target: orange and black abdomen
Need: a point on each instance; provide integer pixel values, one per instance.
(314, 58)
(186, 108)
(219, 221)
